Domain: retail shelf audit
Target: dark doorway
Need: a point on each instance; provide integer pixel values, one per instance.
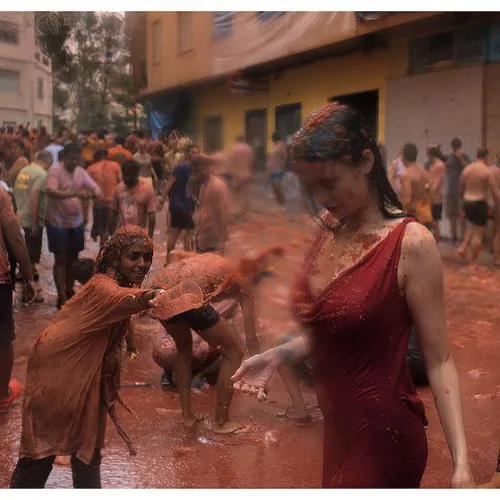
(365, 103)
(212, 134)
(256, 136)
(288, 119)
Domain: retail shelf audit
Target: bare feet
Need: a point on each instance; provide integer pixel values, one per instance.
(228, 428)
(298, 417)
(191, 420)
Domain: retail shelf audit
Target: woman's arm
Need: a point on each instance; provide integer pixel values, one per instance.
(421, 276)
(255, 373)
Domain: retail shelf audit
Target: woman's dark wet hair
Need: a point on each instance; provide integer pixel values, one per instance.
(110, 255)
(336, 132)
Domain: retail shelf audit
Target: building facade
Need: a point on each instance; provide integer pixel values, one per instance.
(25, 73)
(420, 77)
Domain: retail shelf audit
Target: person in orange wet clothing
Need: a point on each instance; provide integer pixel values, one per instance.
(73, 373)
(107, 174)
(134, 200)
(118, 153)
(213, 206)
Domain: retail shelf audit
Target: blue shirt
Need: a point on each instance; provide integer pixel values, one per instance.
(179, 199)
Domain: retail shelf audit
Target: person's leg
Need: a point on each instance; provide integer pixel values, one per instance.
(189, 240)
(30, 473)
(75, 243)
(464, 247)
(298, 410)
(10, 389)
(71, 259)
(476, 243)
(181, 334)
(86, 476)
(173, 236)
(6, 365)
(222, 337)
(60, 264)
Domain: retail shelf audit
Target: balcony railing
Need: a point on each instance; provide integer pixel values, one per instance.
(42, 58)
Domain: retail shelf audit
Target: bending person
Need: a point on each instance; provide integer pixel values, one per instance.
(218, 278)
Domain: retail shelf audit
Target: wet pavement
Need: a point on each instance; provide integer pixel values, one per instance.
(270, 453)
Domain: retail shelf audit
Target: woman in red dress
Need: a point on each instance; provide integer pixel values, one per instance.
(371, 274)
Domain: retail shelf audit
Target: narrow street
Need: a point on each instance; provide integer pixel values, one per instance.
(270, 453)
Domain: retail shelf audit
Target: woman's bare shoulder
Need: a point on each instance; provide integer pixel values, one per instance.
(419, 246)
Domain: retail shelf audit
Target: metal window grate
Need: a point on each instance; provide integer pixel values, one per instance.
(9, 33)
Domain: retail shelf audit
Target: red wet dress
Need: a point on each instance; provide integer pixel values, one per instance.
(374, 423)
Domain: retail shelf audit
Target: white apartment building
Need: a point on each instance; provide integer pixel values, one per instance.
(25, 73)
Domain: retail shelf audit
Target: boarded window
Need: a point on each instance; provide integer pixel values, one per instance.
(441, 48)
(212, 134)
(470, 45)
(269, 15)
(9, 81)
(156, 42)
(9, 33)
(418, 56)
(222, 24)
(184, 32)
(39, 88)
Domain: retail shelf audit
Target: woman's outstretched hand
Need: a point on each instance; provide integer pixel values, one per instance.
(255, 373)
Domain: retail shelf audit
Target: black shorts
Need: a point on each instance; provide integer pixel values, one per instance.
(198, 320)
(437, 211)
(7, 329)
(100, 226)
(476, 212)
(33, 244)
(65, 240)
(181, 220)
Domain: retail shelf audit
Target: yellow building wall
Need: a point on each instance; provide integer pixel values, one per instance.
(311, 85)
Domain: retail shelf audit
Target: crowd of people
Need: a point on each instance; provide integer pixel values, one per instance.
(363, 299)
(469, 191)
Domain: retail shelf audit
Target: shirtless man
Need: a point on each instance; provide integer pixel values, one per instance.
(241, 160)
(474, 190)
(415, 187)
(437, 172)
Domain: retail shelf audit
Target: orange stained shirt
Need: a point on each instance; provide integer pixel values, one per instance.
(107, 174)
